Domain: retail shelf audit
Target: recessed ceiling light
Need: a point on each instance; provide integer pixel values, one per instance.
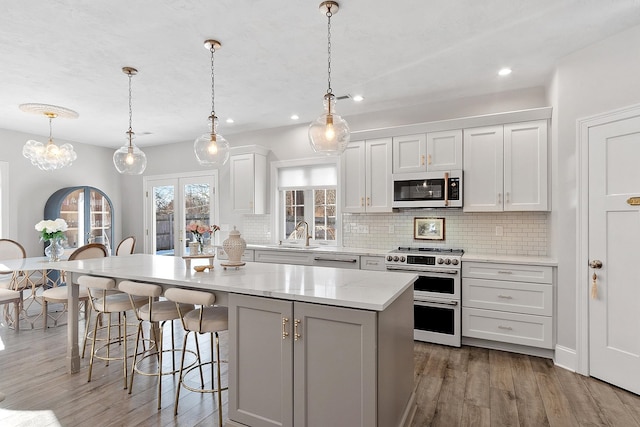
(229, 120)
(504, 72)
(294, 117)
(358, 98)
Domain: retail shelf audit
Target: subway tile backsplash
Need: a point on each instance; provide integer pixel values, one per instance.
(513, 233)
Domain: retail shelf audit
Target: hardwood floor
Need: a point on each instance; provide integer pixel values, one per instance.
(472, 386)
(468, 386)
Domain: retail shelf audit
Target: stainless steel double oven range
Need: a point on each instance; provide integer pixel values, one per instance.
(436, 292)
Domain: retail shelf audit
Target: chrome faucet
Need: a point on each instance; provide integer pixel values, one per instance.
(306, 231)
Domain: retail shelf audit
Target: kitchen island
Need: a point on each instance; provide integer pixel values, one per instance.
(307, 345)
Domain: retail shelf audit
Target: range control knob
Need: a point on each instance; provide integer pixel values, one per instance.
(454, 261)
(395, 258)
(401, 259)
(389, 257)
(440, 261)
(447, 261)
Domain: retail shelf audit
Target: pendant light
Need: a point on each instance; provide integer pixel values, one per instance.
(129, 159)
(50, 156)
(211, 148)
(329, 133)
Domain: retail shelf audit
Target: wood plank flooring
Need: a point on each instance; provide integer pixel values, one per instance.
(465, 386)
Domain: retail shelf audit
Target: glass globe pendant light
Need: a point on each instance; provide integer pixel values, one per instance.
(329, 133)
(129, 159)
(50, 156)
(211, 148)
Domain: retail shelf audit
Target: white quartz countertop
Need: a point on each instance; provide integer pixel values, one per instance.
(368, 290)
(511, 259)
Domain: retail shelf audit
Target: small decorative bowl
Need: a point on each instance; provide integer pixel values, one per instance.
(201, 268)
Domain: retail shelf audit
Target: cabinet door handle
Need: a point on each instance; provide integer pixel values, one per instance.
(499, 198)
(506, 328)
(429, 159)
(368, 201)
(362, 201)
(285, 333)
(422, 160)
(505, 272)
(506, 197)
(505, 296)
(296, 335)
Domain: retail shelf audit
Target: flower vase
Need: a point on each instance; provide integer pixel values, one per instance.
(55, 250)
(195, 248)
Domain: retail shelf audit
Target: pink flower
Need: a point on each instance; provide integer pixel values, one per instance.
(192, 227)
(201, 229)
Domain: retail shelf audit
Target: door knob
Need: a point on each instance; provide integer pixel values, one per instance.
(596, 263)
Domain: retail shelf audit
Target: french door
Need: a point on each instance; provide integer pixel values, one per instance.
(173, 202)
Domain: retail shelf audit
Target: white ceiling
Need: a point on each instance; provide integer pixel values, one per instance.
(273, 58)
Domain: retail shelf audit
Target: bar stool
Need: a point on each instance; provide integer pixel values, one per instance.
(157, 313)
(104, 301)
(204, 319)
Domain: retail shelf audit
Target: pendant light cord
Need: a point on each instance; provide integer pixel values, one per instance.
(213, 90)
(50, 130)
(329, 14)
(130, 131)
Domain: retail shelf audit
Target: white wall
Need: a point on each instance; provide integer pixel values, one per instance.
(597, 79)
(30, 187)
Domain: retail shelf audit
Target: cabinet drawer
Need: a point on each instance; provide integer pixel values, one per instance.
(372, 263)
(284, 257)
(336, 261)
(517, 297)
(524, 329)
(511, 272)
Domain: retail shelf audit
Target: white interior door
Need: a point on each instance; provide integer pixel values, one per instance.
(614, 237)
(173, 203)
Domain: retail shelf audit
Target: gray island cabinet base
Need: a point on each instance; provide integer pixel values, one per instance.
(301, 364)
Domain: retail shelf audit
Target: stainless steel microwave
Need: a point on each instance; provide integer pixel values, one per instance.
(428, 190)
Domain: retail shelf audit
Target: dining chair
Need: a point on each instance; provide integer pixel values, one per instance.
(126, 246)
(17, 281)
(104, 301)
(156, 313)
(59, 294)
(8, 296)
(205, 319)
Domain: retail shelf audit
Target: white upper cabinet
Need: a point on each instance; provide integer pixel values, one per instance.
(435, 151)
(409, 153)
(444, 150)
(248, 177)
(366, 176)
(525, 166)
(505, 167)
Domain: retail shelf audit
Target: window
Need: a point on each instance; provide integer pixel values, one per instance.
(307, 193)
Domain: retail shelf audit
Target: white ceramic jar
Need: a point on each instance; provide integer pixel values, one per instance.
(234, 246)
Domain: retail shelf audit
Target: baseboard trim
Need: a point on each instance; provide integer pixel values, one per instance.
(565, 358)
(513, 348)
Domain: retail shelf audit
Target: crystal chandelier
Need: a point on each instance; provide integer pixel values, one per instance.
(329, 133)
(211, 148)
(50, 156)
(129, 159)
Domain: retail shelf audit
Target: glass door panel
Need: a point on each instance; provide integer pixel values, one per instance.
(99, 219)
(174, 204)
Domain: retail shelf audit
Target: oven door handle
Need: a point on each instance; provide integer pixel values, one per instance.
(430, 301)
(422, 270)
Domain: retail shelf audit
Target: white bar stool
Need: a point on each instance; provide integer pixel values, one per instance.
(204, 319)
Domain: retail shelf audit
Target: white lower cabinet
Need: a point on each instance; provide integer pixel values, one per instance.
(511, 303)
(283, 257)
(302, 364)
